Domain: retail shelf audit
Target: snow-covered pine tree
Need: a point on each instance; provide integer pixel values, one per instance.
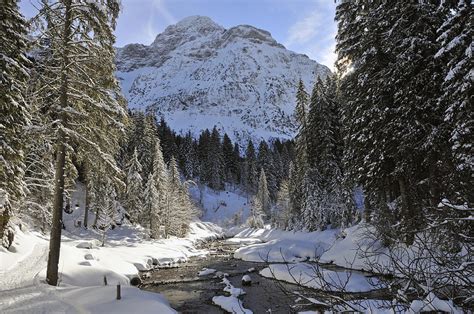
(265, 162)
(134, 189)
(455, 56)
(203, 156)
(86, 106)
(256, 217)
(263, 195)
(14, 108)
(295, 198)
(300, 166)
(325, 198)
(237, 167)
(281, 212)
(188, 155)
(411, 122)
(158, 216)
(365, 96)
(179, 207)
(151, 203)
(39, 178)
(106, 201)
(251, 168)
(216, 161)
(301, 113)
(146, 143)
(230, 164)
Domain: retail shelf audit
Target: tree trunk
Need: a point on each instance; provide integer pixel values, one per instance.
(96, 219)
(56, 223)
(408, 214)
(86, 209)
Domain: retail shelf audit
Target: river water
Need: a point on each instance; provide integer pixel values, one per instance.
(189, 293)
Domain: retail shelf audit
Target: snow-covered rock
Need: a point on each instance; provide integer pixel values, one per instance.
(85, 245)
(206, 272)
(231, 303)
(198, 74)
(246, 280)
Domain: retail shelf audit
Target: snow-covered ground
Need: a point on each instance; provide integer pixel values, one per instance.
(85, 265)
(225, 208)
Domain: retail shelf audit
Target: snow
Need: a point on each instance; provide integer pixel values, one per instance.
(313, 276)
(246, 278)
(231, 303)
(433, 304)
(283, 246)
(84, 264)
(331, 246)
(220, 207)
(206, 272)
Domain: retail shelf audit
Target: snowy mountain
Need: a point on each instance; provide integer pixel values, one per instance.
(197, 74)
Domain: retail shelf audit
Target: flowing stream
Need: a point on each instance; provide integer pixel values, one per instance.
(189, 293)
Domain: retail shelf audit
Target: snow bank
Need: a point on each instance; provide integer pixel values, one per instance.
(102, 300)
(282, 246)
(312, 276)
(84, 266)
(333, 246)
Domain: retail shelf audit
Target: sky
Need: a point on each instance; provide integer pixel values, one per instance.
(303, 26)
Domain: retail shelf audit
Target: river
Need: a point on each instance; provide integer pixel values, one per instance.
(189, 293)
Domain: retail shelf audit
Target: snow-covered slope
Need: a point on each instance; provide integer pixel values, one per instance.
(198, 74)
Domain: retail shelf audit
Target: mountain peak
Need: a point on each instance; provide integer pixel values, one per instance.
(191, 27)
(197, 22)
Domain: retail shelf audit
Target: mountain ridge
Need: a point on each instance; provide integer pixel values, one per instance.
(197, 74)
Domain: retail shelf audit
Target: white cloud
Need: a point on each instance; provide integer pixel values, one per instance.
(314, 33)
(159, 13)
(304, 30)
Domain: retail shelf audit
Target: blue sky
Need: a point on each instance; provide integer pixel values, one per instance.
(304, 26)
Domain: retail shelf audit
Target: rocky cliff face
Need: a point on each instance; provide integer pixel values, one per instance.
(197, 74)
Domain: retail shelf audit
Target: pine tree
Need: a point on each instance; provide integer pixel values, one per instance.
(282, 211)
(230, 164)
(216, 161)
(265, 162)
(205, 165)
(189, 157)
(158, 216)
(107, 204)
(147, 143)
(151, 203)
(455, 55)
(39, 179)
(301, 109)
(134, 188)
(80, 85)
(263, 196)
(236, 167)
(251, 168)
(14, 108)
(179, 207)
(301, 118)
(256, 218)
